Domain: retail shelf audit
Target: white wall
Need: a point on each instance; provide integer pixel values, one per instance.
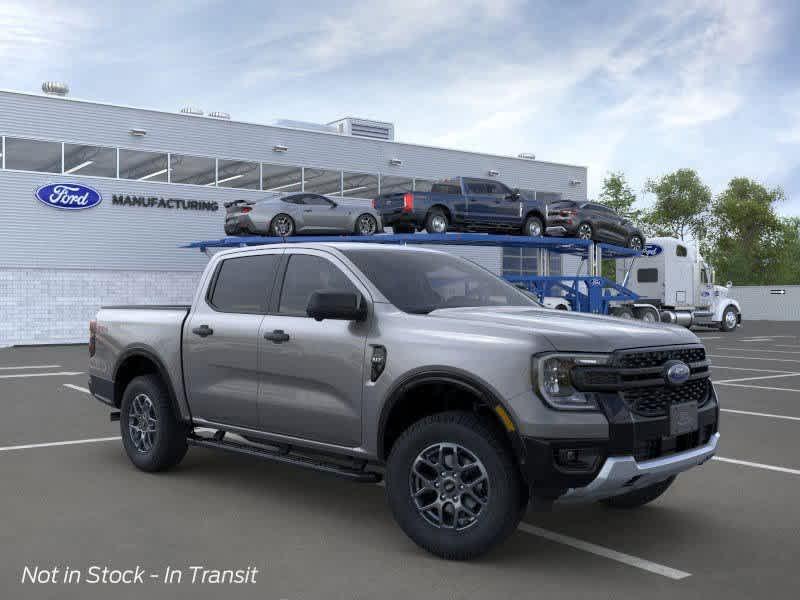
(766, 303)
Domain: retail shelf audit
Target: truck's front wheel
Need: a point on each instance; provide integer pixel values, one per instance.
(153, 437)
(453, 486)
(730, 319)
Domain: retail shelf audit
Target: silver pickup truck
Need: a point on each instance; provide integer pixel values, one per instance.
(370, 361)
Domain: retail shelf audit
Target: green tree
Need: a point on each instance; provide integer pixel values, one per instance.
(681, 205)
(749, 243)
(618, 195)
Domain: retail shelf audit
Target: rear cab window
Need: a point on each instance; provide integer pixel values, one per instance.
(243, 285)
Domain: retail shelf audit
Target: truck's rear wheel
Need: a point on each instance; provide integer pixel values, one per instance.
(453, 486)
(640, 497)
(533, 227)
(437, 221)
(153, 437)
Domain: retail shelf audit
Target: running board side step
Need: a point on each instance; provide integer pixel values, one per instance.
(351, 473)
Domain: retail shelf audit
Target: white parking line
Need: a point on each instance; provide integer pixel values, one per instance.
(757, 387)
(77, 388)
(633, 561)
(763, 350)
(759, 414)
(30, 367)
(747, 463)
(794, 360)
(755, 378)
(62, 373)
(64, 443)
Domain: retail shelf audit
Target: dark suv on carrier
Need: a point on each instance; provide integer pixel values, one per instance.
(592, 221)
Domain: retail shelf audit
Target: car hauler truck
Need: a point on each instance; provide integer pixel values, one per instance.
(672, 276)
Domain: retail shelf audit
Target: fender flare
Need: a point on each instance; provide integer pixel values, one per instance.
(150, 354)
(454, 376)
(723, 305)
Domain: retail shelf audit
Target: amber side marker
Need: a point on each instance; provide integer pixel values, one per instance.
(501, 412)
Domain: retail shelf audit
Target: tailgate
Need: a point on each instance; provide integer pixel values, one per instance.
(389, 203)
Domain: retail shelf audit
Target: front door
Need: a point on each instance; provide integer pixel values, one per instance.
(312, 372)
(221, 340)
(320, 214)
(504, 206)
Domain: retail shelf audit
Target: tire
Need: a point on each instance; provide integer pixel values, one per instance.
(437, 221)
(232, 230)
(366, 224)
(730, 320)
(148, 396)
(635, 242)
(403, 228)
(622, 312)
(639, 497)
(443, 531)
(585, 231)
(282, 225)
(534, 227)
(648, 315)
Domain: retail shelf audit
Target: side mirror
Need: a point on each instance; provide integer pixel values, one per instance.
(333, 204)
(514, 195)
(729, 285)
(338, 305)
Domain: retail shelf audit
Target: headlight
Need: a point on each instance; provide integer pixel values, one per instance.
(552, 374)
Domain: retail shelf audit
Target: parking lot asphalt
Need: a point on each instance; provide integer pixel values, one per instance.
(729, 529)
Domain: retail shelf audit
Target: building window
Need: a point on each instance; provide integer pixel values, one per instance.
(280, 178)
(33, 155)
(323, 181)
(396, 185)
(238, 174)
(360, 185)
(95, 161)
(524, 261)
(195, 170)
(144, 166)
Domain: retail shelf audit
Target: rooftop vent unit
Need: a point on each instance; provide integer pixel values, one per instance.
(55, 88)
(376, 130)
(216, 114)
(192, 110)
(303, 125)
(527, 155)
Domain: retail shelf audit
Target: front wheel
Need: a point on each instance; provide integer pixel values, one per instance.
(153, 437)
(453, 486)
(730, 319)
(639, 497)
(585, 231)
(533, 227)
(366, 224)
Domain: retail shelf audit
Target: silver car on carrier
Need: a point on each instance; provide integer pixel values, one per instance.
(284, 215)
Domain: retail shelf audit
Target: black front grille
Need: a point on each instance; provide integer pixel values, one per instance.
(658, 447)
(654, 401)
(656, 358)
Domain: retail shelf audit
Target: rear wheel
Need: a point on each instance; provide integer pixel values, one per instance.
(453, 486)
(533, 227)
(153, 437)
(648, 314)
(640, 497)
(282, 225)
(437, 221)
(635, 242)
(730, 319)
(366, 224)
(622, 312)
(584, 231)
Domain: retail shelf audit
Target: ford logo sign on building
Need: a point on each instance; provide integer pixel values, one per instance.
(68, 196)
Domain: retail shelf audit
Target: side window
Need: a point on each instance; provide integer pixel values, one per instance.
(295, 199)
(647, 275)
(305, 275)
(242, 285)
(317, 201)
(703, 276)
(474, 187)
(680, 251)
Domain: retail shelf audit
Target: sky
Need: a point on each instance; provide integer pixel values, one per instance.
(639, 87)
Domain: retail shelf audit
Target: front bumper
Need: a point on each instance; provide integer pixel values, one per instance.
(621, 474)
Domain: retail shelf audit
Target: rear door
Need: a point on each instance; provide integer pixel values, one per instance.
(221, 340)
(479, 203)
(311, 381)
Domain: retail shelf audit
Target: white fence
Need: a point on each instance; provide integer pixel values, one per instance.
(768, 302)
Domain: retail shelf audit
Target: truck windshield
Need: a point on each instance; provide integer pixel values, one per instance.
(421, 282)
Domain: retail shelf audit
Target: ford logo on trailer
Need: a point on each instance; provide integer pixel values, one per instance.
(652, 250)
(677, 372)
(68, 196)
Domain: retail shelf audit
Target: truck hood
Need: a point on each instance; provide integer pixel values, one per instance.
(574, 332)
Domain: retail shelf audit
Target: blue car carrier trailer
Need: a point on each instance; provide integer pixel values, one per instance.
(589, 292)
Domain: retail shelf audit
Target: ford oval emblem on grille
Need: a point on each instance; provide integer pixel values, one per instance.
(68, 196)
(676, 372)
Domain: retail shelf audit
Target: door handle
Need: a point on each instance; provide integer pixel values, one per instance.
(278, 336)
(203, 331)
(308, 210)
